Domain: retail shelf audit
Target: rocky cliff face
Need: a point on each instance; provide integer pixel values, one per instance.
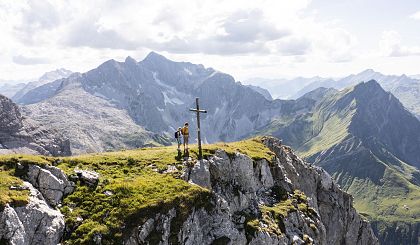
(91, 123)
(259, 202)
(37, 222)
(22, 135)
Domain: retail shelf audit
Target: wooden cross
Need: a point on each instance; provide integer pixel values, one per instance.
(198, 111)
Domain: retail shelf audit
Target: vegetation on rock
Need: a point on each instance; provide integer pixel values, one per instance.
(133, 185)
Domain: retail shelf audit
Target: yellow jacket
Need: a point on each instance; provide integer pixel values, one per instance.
(184, 131)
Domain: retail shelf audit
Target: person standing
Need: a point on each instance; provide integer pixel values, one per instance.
(178, 136)
(185, 135)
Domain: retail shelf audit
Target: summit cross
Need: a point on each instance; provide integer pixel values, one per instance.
(198, 111)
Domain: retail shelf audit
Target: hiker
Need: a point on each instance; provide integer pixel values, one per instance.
(178, 138)
(185, 134)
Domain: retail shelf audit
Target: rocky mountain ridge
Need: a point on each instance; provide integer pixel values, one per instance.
(280, 200)
(405, 88)
(22, 96)
(153, 94)
(368, 142)
(91, 123)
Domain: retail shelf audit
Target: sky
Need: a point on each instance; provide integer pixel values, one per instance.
(256, 38)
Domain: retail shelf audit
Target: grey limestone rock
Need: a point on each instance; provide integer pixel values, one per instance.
(43, 224)
(11, 228)
(19, 134)
(241, 186)
(90, 178)
(34, 223)
(50, 181)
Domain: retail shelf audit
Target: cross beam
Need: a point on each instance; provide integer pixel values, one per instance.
(198, 111)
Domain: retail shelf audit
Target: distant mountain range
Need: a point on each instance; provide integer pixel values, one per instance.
(129, 104)
(22, 95)
(16, 91)
(370, 144)
(264, 92)
(10, 89)
(415, 76)
(405, 88)
(285, 88)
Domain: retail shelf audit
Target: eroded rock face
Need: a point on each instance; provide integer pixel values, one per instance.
(343, 225)
(241, 186)
(39, 221)
(11, 228)
(34, 223)
(43, 224)
(49, 180)
(22, 135)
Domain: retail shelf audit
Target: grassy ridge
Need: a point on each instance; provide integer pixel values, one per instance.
(134, 185)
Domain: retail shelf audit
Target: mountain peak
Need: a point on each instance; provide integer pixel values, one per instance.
(54, 75)
(371, 84)
(130, 60)
(368, 72)
(153, 56)
(367, 92)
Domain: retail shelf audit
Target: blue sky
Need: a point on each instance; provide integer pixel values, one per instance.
(259, 38)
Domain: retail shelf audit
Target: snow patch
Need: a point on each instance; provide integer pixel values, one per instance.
(173, 101)
(214, 73)
(100, 95)
(188, 71)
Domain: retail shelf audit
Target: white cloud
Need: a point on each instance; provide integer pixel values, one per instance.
(391, 45)
(416, 15)
(25, 60)
(239, 37)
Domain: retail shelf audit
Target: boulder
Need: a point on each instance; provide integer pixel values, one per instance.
(90, 178)
(50, 181)
(200, 174)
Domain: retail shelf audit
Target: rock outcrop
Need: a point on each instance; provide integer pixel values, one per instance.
(89, 178)
(316, 211)
(50, 181)
(34, 223)
(22, 135)
(38, 222)
(42, 224)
